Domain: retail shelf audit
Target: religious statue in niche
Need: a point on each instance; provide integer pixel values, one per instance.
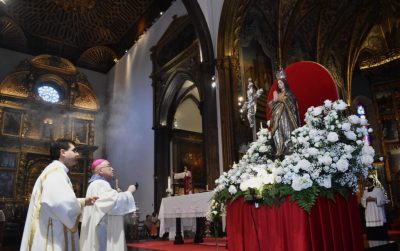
(285, 116)
(251, 103)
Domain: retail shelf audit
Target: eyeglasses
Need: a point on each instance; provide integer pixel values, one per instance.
(107, 166)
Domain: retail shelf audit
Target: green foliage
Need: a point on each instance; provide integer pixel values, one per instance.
(306, 198)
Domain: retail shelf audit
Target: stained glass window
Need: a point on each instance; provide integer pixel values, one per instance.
(48, 94)
(361, 114)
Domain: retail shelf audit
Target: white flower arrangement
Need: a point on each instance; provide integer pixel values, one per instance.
(328, 155)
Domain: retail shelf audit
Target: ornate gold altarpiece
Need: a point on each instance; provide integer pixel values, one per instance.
(28, 124)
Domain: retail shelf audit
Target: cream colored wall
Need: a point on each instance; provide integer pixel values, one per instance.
(129, 136)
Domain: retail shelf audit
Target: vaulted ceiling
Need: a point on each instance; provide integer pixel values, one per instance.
(344, 35)
(94, 33)
(90, 33)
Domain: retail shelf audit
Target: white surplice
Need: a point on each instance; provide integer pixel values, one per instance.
(53, 214)
(374, 210)
(103, 223)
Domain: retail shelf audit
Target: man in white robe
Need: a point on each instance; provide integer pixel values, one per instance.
(374, 200)
(54, 210)
(103, 223)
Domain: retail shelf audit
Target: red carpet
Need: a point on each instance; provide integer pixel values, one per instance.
(208, 245)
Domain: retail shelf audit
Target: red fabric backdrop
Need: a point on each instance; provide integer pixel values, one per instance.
(311, 83)
(330, 226)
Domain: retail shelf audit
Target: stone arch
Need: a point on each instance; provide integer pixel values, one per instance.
(166, 106)
(168, 76)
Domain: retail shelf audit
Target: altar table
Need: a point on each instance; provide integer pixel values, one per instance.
(186, 208)
(332, 225)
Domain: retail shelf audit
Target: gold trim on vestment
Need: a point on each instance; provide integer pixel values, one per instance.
(36, 213)
(73, 242)
(75, 227)
(65, 238)
(50, 225)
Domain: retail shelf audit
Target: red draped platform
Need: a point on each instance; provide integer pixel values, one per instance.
(332, 225)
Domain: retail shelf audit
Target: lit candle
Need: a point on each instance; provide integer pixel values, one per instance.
(169, 182)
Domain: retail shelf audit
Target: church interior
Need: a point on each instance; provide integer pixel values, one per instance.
(157, 86)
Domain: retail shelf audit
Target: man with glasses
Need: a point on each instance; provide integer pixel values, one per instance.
(103, 223)
(54, 211)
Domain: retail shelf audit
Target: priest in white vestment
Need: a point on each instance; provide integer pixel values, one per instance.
(54, 211)
(103, 223)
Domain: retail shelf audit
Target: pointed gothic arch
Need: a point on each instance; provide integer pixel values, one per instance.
(188, 36)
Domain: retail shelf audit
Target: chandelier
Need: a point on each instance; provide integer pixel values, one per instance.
(75, 5)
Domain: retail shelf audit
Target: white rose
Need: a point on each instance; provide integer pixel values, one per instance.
(232, 189)
(332, 137)
(340, 105)
(349, 149)
(342, 165)
(326, 160)
(317, 111)
(350, 135)
(312, 151)
(368, 150)
(354, 119)
(367, 160)
(346, 126)
(328, 103)
(301, 182)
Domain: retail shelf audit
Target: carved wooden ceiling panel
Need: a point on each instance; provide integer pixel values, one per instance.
(69, 28)
(339, 34)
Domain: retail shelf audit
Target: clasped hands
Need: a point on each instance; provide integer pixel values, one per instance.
(90, 200)
(371, 199)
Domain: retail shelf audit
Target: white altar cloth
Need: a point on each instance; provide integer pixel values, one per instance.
(187, 207)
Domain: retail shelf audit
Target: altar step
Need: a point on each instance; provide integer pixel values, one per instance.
(381, 246)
